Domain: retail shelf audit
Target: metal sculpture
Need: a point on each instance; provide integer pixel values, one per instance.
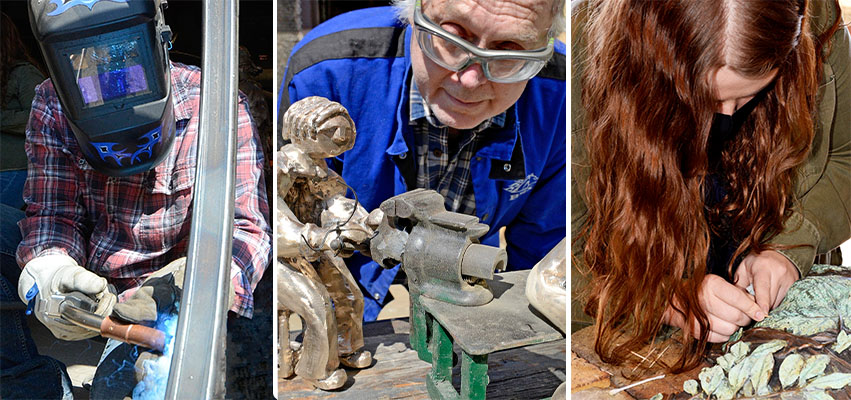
(316, 225)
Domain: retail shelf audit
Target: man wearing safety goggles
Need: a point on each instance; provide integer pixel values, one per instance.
(465, 97)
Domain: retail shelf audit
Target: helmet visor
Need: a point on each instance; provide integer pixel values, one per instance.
(105, 72)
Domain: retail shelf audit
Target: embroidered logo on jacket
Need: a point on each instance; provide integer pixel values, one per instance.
(64, 5)
(521, 186)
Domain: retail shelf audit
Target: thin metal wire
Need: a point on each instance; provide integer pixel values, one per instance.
(338, 229)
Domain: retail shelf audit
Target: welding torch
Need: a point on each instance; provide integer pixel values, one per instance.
(78, 309)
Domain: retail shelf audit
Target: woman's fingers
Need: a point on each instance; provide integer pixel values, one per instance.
(728, 307)
(771, 273)
(741, 303)
(721, 327)
(728, 302)
(763, 288)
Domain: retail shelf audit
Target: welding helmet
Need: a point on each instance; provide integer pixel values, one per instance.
(108, 60)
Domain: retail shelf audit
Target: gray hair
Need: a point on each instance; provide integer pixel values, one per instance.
(405, 13)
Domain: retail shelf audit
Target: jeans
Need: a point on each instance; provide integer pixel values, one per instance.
(12, 187)
(24, 374)
(115, 376)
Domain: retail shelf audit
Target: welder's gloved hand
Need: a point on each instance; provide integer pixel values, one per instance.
(46, 279)
(158, 295)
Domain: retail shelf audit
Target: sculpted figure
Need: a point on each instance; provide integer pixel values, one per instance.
(316, 224)
(546, 287)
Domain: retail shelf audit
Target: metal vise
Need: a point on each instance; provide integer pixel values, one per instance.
(439, 249)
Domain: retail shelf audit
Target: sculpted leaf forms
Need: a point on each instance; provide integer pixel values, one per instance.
(762, 373)
(790, 369)
(843, 342)
(813, 367)
(807, 333)
(768, 348)
(836, 380)
(690, 387)
(710, 379)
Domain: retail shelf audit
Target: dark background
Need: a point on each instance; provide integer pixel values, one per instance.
(184, 18)
(297, 17)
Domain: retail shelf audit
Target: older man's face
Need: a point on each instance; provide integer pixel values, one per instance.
(464, 99)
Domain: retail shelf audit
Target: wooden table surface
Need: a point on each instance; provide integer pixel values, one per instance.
(532, 372)
(591, 378)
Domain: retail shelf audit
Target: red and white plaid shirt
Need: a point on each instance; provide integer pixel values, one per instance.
(125, 228)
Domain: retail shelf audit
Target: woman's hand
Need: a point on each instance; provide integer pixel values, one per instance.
(771, 275)
(727, 306)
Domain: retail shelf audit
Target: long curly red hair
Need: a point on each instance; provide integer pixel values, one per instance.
(649, 95)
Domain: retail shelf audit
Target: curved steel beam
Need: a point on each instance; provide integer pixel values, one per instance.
(198, 361)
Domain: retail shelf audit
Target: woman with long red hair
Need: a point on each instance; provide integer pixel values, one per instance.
(711, 154)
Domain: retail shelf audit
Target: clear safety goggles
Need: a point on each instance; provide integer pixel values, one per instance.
(456, 54)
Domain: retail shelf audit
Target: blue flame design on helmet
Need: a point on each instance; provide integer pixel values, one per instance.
(151, 138)
(62, 5)
(107, 150)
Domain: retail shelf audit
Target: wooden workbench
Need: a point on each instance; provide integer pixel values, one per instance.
(532, 372)
(591, 378)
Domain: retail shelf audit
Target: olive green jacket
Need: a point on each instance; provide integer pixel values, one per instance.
(14, 113)
(821, 219)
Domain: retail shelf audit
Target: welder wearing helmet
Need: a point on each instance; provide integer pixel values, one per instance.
(111, 144)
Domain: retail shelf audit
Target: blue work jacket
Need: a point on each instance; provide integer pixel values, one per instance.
(362, 60)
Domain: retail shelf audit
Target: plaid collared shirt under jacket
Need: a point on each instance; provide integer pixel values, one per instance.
(125, 228)
(441, 166)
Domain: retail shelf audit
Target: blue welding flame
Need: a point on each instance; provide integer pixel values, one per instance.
(153, 386)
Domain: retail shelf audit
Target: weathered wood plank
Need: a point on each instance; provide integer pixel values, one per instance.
(584, 375)
(532, 372)
(582, 343)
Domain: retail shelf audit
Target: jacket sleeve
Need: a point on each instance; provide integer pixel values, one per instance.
(252, 239)
(822, 219)
(579, 277)
(580, 171)
(55, 216)
(22, 81)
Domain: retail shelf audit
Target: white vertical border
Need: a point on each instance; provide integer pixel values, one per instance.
(274, 200)
(568, 53)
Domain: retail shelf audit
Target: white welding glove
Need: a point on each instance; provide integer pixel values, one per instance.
(46, 279)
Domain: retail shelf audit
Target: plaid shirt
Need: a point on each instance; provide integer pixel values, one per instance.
(443, 165)
(125, 228)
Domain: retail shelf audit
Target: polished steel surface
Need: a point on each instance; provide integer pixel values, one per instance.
(197, 366)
